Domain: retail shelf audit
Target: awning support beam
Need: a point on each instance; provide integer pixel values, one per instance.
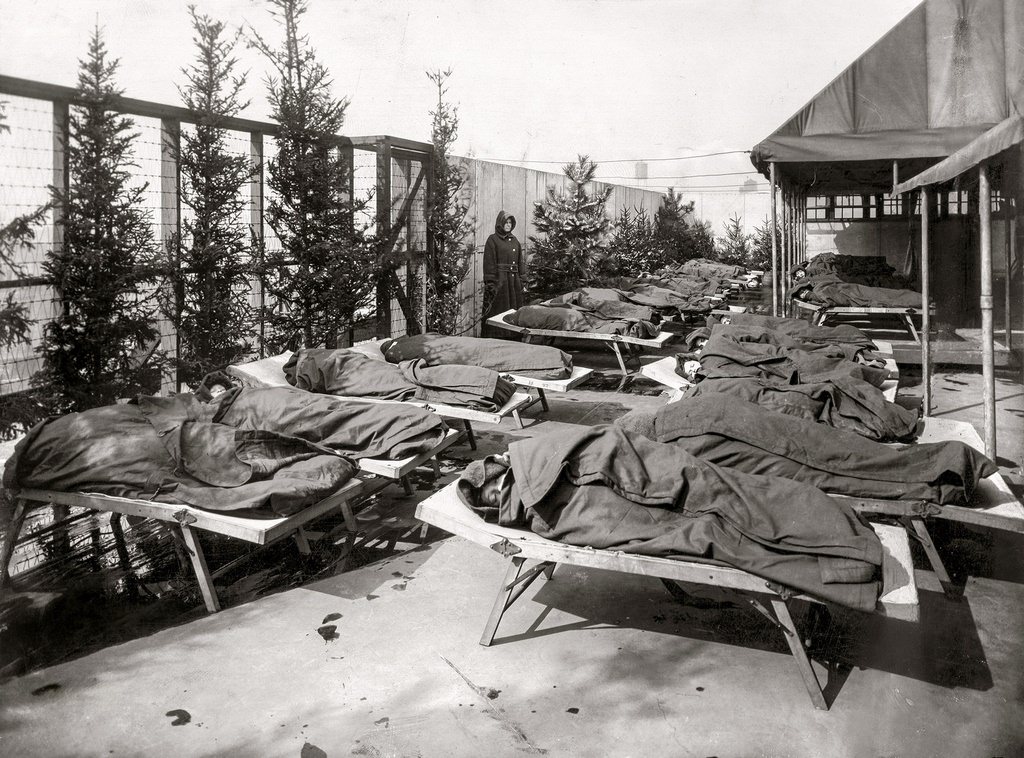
(926, 327)
(775, 245)
(987, 334)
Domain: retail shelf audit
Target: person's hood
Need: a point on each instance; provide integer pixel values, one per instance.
(499, 223)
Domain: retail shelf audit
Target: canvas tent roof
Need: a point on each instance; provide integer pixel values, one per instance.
(942, 77)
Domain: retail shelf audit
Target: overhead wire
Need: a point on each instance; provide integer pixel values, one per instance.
(620, 160)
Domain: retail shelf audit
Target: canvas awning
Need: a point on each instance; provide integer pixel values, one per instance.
(997, 139)
(941, 78)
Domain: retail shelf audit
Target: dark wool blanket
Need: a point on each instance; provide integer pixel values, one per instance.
(746, 437)
(502, 356)
(257, 452)
(605, 488)
(350, 374)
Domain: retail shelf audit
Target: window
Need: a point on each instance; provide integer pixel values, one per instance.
(956, 203)
(817, 208)
(998, 202)
(893, 205)
(848, 207)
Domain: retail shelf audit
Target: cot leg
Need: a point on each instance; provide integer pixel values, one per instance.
(543, 399)
(122, 554)
(302, 541)
(406, 485)
(503, 601)
(920, 530)
(622, 365)
(518, 418)
(796, 647)
(435, 467)
(61, 539)
(469, 434)
(202, 571)
(10, 538)
(350, 518)
(911, 328)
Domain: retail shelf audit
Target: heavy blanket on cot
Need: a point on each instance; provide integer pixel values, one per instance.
(347, 373)
(606, 488)
(746, 437)
(503, 356)
(258, 452)
(571, 318)
(843, 402)
(830, 290)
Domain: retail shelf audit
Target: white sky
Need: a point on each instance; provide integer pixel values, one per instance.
(537, 80)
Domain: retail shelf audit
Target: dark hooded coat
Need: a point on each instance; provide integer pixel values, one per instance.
(504, 270)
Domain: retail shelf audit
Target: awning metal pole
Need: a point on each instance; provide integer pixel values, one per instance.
(926, 319)
(987, 335)
(775, 241)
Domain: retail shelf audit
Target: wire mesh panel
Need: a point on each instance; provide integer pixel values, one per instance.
(26, 173)
(408, 213)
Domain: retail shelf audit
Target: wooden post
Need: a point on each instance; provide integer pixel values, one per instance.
(926, 344)
(987, 336)
(383, 232)
(775, 245)
(803, 228)
(257, 232)
(784, 256)
(800, 204)
(1009, 222)
(61, 176)
(170, 228)
(791, 249)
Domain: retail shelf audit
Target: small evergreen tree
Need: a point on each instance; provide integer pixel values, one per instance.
(671, 228)
(634, 247)
(210, 263)
(326, 267)
(573, 227)
(760, 258)
(102, 344)
(683, 240)
(701, 241)
(734, 247)
(448, 224)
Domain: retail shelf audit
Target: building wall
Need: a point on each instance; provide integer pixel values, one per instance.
(954, 256)
(493, 187)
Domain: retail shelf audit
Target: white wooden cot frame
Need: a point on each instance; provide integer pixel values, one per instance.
(821, 314)
(269, 372)
(614, 342)
(663, 371)
(898, 598)
(994, 506)
(183, 521)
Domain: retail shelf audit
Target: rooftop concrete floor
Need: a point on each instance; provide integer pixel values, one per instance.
(589, 664)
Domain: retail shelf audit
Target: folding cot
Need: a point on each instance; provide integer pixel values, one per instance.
(898, 598)
(269, 372)
(663, 371)
(820, 314)
(375, 474)
(611, 341)
(184, 520)
(993, 505)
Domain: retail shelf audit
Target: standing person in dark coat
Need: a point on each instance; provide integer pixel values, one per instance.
(504, 269)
